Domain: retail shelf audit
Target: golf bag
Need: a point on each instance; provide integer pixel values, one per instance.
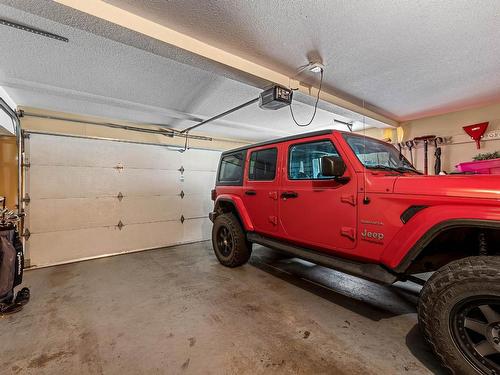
(11, 261)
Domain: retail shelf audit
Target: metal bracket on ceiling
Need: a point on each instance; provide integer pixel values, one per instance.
(348, 124)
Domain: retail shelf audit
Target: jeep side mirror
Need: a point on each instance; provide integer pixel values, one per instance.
(332, 166)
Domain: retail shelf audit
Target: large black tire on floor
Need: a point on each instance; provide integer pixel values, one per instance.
(440, 311)
(236, 250)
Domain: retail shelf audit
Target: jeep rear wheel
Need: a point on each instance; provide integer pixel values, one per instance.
(459, 314)
(229, 241)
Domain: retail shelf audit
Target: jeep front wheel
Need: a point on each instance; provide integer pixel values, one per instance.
(229, 241)
(459, 314)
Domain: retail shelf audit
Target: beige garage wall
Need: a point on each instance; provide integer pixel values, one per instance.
(462, 148)
(90, 130)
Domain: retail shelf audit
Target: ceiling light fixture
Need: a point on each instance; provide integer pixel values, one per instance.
(313, 67)
(316, 67)
(33, 30)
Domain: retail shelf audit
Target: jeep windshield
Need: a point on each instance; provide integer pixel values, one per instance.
(374, 154)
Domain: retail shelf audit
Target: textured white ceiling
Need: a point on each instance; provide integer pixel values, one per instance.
(409, 58)
(102, 77)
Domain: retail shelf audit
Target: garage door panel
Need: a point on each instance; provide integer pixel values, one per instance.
(198, 182)
(197, 205)
(138, 182)
(150, 209)
(200, 160)
(197, 230)
(149, 157)
(69, 152)
(49, 215)
(75, 185)
(75, 182)
(101, 153)
(64, 182)
(56, 247)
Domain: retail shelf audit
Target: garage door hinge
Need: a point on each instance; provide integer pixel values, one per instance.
(26, 234)
(120, 225)
(182, 194)
(182, 219)
(119, 167)
(26, 135)
(26, 164)
(120, 196)
(26, 199)
(181, 169)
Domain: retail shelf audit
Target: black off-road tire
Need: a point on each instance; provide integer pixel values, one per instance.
(443, 302)
(238, 253)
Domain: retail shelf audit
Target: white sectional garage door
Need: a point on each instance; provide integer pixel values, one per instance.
(91, 197)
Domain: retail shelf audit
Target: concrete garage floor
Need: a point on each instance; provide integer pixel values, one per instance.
(176, 311)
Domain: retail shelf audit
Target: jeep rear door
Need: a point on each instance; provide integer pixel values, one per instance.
(315, 210)
(260, 193)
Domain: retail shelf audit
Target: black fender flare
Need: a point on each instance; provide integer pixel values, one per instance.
(437, 229)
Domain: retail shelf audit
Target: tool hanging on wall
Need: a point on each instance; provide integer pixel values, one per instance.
(425, 139)
(476, 132)
(410, 144)
(399, 136)
(437, 154)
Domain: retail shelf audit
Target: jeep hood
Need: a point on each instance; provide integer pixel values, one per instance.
(472, 186)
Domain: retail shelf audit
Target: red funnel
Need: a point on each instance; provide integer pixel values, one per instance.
(476, 132)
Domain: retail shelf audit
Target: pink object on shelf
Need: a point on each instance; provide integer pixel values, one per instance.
(491, 166)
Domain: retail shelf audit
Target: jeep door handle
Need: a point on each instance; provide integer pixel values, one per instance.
(289, 194)
(250, 192)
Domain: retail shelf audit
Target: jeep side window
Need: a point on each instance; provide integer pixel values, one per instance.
(231, 169)
(262, 165)
(304, 160)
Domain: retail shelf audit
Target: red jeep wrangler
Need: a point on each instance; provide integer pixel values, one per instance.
(355, 204)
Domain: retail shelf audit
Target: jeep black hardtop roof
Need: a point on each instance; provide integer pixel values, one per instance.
(285, 139)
